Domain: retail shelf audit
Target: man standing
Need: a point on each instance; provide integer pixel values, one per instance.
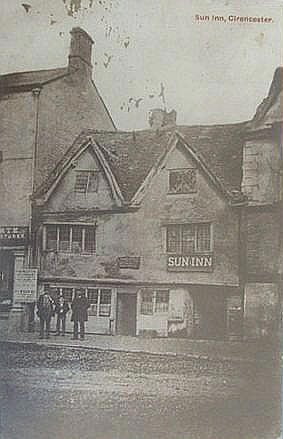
(61, 309)
(79, 306)
(45, 311)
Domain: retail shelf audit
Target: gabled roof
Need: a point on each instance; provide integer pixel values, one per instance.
(132, 155)
(31, 79)
(264, 112)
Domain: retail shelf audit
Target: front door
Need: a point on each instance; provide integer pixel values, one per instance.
(209, 315)
(126, 314)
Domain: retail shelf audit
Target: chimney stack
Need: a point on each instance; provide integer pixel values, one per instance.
(159, 118)
(80, 50)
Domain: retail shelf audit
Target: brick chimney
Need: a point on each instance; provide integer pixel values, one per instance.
(80, 50)
(159, 118)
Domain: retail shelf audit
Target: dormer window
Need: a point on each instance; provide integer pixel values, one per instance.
(86, 181)
(182, 181)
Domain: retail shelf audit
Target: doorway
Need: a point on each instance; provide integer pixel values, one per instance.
(126, 314)
(210, 315)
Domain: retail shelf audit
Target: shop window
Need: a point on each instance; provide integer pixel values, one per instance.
(105, 303)
(68, 294)
(86, 181)
(162, 301)
(100, 301)
(188, 238)
(182, 181)
(147, 302)
(154, 301)
(70, 238)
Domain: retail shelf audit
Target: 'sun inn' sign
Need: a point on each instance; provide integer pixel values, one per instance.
(190, 263)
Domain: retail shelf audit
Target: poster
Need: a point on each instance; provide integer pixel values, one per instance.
(25, 285)
(141, 189)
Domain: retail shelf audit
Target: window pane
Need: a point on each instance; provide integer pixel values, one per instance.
(64, 237)
(162, 301)
(93, 181)
(147, 302)
(67, 294)
(76, 239)
(203, 237)
(105, 296)
(89, 239)
(51, 237)
(173, 239)
(188, 238)
(182, 181)
(92, 296)
(105, 303)
(81, 182)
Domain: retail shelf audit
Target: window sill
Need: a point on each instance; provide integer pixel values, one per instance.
(66, 252)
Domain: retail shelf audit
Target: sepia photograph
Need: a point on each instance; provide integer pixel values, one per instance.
(141, 213)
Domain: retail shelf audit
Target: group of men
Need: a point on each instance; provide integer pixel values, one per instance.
(48, 308)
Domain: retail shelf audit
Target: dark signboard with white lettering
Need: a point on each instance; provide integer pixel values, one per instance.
(203, 262)
(130, 262)
(13, 235)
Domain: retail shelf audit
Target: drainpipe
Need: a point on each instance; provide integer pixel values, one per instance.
(36, 94)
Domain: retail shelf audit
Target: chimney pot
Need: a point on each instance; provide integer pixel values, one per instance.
(159, 118)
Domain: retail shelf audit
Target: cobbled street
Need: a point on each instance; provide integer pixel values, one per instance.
(65, 393)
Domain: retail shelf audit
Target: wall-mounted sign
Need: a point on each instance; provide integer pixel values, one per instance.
(25, 285)
(199, 262)
(11, 235)
(132, 262)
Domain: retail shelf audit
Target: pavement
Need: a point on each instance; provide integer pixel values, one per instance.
(204, 349)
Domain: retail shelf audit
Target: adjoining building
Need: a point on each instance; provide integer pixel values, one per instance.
(41, 112)
(262, 217)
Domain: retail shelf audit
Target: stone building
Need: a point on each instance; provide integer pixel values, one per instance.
(173, 231)
(41, 112)
(147, 224)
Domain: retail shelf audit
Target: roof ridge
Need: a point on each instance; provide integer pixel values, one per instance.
(26, 72)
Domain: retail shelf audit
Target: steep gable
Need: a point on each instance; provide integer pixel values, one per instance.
(134, 157)
(82, 180)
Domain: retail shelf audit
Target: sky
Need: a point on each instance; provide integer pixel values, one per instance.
(155, 53)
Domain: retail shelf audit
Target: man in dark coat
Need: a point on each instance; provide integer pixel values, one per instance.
(79, 306)
(45, 310)
(61, 309)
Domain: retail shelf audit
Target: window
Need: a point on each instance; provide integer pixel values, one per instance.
(154, 301)
(188, 238)
(147, 302)
(70, 238)
(51, 237)
(100, 301)
(86, 181)
(182, 181)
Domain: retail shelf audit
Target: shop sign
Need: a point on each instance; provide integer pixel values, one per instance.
(25, 285)
(130, 262)
(11, 235)
(200, 262)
